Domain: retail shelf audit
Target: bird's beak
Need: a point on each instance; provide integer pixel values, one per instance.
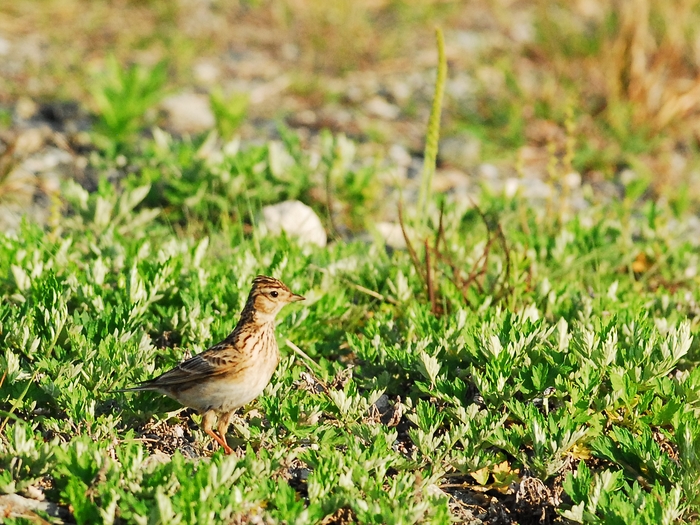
(296, 298)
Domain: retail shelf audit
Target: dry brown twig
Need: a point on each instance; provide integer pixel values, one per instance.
(434, 257)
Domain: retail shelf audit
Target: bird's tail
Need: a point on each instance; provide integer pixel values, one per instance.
(138, 388)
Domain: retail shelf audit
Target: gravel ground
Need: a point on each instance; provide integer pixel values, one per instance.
(384, 108)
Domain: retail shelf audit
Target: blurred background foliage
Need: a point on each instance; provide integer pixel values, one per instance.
(619, 78)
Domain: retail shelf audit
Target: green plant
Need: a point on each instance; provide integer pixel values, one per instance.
(229, 112)
(122, 97)
(547, 342)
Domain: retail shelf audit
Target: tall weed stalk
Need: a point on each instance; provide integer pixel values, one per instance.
(433, 135)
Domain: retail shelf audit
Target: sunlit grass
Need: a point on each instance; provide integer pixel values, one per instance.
(566, 346)
(545, 358)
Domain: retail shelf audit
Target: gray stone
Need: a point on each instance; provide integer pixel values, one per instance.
(470, 42)
(296, 219)
(488, 172)
(450, 180)
(379, 107)
(391, 234)
(206, 72)
(382, 403)
(400, 155)
(48, 159)
(31, 140)
(400, 90)
(5, 47)
(188, 113)
(15, 506)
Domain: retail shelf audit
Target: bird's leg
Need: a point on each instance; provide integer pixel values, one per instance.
(224, 422)
(207, 423)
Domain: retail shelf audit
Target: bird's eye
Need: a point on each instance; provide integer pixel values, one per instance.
(274, 293)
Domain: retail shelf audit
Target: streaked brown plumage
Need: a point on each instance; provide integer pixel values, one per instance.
(235, 371)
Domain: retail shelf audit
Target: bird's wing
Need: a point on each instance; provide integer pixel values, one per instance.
(218, 359)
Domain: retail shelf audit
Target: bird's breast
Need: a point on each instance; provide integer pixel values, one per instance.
(234, 389)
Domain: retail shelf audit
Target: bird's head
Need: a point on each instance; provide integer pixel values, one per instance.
(268, 296)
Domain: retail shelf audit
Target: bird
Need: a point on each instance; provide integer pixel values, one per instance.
(232, 373)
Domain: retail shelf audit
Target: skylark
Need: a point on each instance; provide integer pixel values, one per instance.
(235, 371)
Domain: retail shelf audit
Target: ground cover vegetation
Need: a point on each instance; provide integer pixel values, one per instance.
(517, 362)
(574, 369)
